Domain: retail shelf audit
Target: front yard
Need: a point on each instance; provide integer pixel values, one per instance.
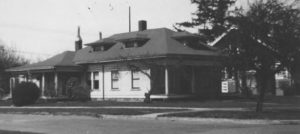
(286, 108)
(268, 114)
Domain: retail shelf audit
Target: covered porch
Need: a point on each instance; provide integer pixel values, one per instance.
(185, 77)
(50, 76)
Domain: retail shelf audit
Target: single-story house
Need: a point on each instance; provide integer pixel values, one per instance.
(281, 81)
(160, 61)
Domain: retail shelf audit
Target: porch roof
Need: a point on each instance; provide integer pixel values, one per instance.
(62, 62)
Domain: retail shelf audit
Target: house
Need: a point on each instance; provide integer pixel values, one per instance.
(277, 84)
(162, 62)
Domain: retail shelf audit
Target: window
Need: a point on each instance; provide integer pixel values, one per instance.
(130, 44)
(114, 79)
(96, 80)
(135, 79)
(99, 48)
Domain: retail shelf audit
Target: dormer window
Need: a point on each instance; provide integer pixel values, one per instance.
(134, 40)
(98, 48)
(102, 45)
(133, 44)
(130, 44)
(190, 40)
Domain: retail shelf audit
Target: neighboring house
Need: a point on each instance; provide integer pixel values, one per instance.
(282, 80)
(128, 65)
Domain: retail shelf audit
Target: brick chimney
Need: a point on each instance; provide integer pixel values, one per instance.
(78, 42)
(142, 25)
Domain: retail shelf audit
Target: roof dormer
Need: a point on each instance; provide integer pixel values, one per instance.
(190, 40)
(134, 40)
(102, 44)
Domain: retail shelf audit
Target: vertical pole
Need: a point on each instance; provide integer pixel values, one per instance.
(166, 81)
(103, 94)
(56, 83)
(12, 85)
(129, 19)
(193, 79)
(92, 80)
(43, 85)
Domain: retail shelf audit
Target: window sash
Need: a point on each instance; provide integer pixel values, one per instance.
(135, 79)
(114, 79)
(95, 81)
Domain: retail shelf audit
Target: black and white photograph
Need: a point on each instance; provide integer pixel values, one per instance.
(149, 66)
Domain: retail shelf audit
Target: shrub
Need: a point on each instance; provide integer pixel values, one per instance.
(25, 93)
(80, 93)
(71, 83)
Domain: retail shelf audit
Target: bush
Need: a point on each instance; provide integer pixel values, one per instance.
(80, 93)
(25, 93)
(71, 83)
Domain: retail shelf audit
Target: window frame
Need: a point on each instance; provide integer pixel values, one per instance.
(114, 80)
(133, 86)
(96, 81)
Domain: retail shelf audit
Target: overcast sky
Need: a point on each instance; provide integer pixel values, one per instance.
(43, 28)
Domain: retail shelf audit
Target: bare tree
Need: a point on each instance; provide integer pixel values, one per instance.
(8, 58)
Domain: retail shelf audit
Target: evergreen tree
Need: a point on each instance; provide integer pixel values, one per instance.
(211, 17)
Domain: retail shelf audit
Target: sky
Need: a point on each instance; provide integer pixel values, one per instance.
(39, 29)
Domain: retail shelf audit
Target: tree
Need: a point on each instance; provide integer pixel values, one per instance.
(274, 28)
(266, 36)
(211, 17)
(8, 58)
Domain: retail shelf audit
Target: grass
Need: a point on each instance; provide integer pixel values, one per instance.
(270, 101)
(266, 115)
(276, 108)
(87, 111)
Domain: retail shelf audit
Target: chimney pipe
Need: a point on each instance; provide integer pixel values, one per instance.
(100, 35)
(78, 42)
(142, 25)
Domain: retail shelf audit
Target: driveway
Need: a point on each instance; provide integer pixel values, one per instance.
(49, 124)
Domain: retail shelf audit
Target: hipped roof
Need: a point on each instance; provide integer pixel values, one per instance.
(62, 60)
(161, 42)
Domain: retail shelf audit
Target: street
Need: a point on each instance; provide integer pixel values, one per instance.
(49, 124)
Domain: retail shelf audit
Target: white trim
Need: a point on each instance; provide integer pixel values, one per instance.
(92, 80)
(56, 83)
(43, 85)
(166, 81)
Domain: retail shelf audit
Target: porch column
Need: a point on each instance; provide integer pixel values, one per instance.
(166, 81)
(193, 82)
(56, 83)
(92, 80)
(43, 85)
(11, 85)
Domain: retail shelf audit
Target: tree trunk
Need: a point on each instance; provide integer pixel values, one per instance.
(262, 85)
(236, 79)
(245, 90)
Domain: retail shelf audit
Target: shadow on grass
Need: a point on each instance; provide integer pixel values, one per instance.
(16, 132)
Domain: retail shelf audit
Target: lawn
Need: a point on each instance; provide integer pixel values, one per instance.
(86, 111)
(270, 101)
(266, 115)
(276, 108)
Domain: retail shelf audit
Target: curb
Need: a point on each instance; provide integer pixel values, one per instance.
(204, 120)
